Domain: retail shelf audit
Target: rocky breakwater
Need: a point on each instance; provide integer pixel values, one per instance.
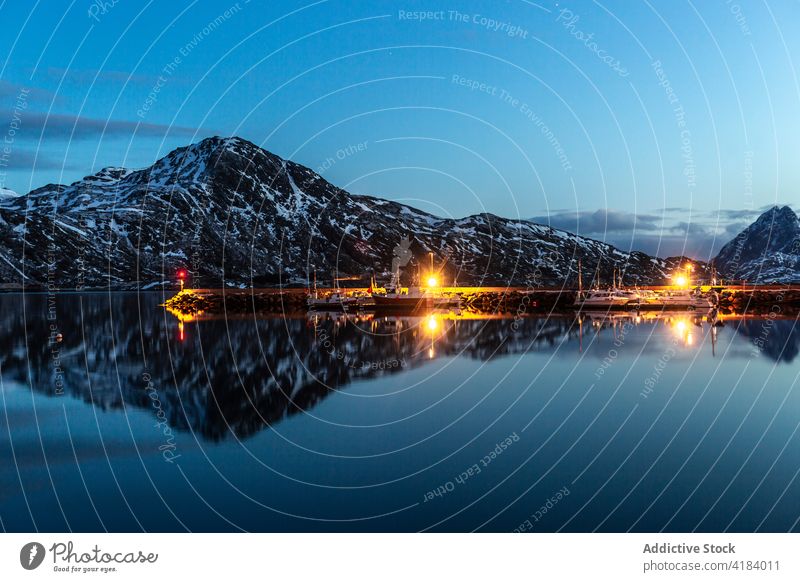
(785, 301)
(223, 301)
(513, 301)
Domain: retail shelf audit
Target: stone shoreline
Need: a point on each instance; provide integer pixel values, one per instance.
(508, 302)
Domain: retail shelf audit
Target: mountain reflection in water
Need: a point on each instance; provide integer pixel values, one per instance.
(234, 376)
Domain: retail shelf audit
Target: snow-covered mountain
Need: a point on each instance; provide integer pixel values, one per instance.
(232, 213)
(767, 251)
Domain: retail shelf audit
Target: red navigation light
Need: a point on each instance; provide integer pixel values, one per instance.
(181, 274)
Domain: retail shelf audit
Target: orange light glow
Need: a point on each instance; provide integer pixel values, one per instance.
(432, 323)
(433, 281)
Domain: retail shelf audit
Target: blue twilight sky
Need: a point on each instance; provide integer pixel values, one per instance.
(656, 125)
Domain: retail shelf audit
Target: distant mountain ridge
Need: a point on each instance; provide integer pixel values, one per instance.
(767, 251)
(234, 214)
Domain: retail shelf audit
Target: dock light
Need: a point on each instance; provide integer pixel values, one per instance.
(182, 277)
(433, 281)
(681, 280)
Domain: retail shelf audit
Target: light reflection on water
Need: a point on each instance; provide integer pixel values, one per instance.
(676, 420)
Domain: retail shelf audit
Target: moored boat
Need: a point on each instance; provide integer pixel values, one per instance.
(337, 300)
(608, 298)
(413, 298)
(678, 299)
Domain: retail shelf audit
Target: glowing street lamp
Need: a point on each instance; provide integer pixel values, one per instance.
(433, 281)
(684, 277)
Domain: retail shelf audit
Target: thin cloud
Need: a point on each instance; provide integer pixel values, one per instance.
(728, 214)
(691, 229)
(670, 245)
(11, 92)
(600, 221)
(25, 159)
(65, 127)
(666, 232)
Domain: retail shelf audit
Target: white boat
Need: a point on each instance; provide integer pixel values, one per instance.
(608, 298)
(337, 300)
(646, 295)
(679, 298)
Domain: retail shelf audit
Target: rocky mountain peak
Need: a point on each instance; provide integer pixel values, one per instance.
(766, 251)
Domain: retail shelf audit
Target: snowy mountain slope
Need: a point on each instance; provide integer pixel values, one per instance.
(767, 251)
(234, 214)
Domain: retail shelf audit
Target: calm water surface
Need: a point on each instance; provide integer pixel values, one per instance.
(117, 416)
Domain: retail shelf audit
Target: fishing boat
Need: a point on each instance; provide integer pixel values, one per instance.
(413, 298)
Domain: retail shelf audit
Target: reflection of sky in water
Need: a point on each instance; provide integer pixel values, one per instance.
(270, 422)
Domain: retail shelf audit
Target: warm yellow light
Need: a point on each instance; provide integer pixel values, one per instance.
(432, 281)
(681, 281)
(680, 326)
(432, 323)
